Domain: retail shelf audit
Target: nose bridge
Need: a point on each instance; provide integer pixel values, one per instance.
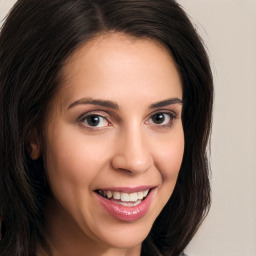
(132, 152)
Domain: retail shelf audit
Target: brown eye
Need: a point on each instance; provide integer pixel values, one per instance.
(95, 121)
(162, 119)
(158, 118)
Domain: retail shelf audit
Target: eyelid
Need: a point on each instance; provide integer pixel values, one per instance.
(165, 111)
(94, 112)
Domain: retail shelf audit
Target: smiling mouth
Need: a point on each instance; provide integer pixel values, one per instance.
(125, 199)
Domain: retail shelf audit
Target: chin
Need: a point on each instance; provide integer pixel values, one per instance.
(125, 236)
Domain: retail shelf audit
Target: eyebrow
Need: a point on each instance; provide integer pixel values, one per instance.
(113, 105)
(166, 102)
(104, 103)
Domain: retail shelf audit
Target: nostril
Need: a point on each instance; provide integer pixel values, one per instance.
(133, 164)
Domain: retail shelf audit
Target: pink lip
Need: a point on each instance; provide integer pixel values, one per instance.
(123, 212)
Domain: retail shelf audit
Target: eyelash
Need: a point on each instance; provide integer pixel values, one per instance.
(105, 118)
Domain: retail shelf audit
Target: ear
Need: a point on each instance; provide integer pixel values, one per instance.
(33, 146)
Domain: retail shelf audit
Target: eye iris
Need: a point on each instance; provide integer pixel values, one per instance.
(158, 118)
(93, 120)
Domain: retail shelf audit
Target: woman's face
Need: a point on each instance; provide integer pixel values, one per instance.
(114, 143)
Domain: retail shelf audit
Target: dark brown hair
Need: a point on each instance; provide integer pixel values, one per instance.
(36, 39)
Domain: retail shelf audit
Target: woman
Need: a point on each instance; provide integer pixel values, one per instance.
(105, 117)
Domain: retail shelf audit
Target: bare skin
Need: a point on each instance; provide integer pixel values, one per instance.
(115, 122)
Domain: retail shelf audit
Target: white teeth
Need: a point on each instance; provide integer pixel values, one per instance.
(140, 195)
(116, 195)
(133, 197)
(125, 197)
(129, 204)
(109, 194)
(145, 193)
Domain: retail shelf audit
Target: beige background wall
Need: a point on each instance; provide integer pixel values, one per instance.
(228, 28)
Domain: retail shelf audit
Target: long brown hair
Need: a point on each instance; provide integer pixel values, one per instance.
(36, 39)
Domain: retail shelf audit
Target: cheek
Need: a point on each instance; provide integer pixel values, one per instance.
(170, 157)
(72, 163)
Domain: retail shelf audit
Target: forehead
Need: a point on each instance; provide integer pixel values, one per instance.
(113, 62)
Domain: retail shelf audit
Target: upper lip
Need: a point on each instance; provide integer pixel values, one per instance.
(130, 189)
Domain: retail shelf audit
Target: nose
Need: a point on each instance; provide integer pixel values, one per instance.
(132, 152)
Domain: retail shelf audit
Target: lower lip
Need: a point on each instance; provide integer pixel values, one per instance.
(126, 213)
